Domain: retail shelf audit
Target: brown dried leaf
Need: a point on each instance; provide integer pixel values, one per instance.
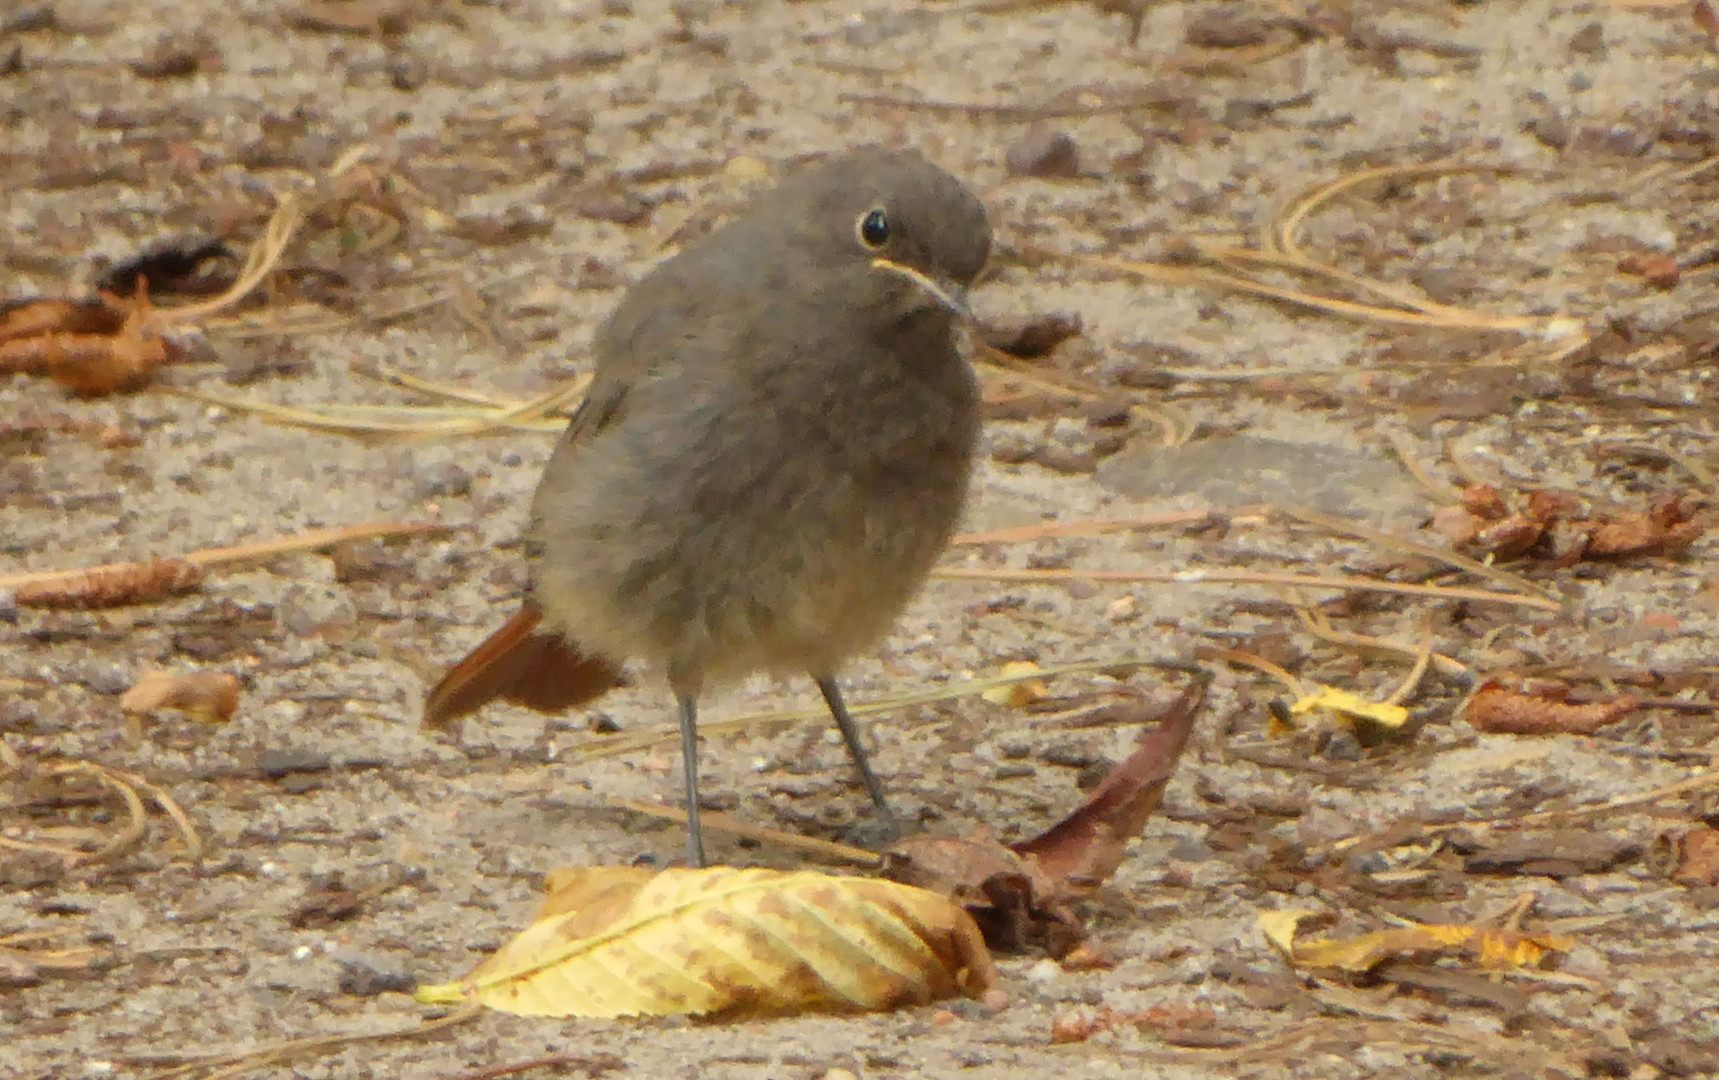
(1456, 524)
(1698, 862)
(96, 366)
(1025, 894)
(1510, 537)
(209, 696)
(1498, 710)
(1484, 501)
(1551, 527)
(1656, 268)
(114, 585)
(1666, 529)
(623, 941)
(35, 317)
(1085, 848)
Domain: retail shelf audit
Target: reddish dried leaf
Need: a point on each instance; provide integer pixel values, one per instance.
(1657, 269)
(35, 317)
(1456, 524)
(1025, 894)
(1665, 530)
(1083, 849)
(1546, 507)
(95, 366)
(1510, 537)
(1495, 709)
(1699, 861)
(92, 348)
(114, 585)
(1484, 501)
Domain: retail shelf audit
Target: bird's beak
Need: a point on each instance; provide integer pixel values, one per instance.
(947, 293)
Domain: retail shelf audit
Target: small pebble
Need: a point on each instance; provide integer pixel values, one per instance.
(367, 976)
(1045, 972)
(443, 480)
(1043, 152)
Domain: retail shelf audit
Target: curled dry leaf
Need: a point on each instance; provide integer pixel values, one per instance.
(112, 586)
(79, 345)
(209, 696)
(624, 941)
(1550, 526)
(1496, 709)
(1025, 893)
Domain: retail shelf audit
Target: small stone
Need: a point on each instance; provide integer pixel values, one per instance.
(368, 976)
(1045, 972)
(1092, 775)
(1044, 153)
(104, 678)
(1590, 40)
(1369, 862)
(307, 609)
(275, 764)
(407, 72)
(442, 480)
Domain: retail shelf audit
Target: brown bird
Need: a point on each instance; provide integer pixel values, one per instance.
(773, 452)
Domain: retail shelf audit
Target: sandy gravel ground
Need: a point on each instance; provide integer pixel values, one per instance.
(486, 177)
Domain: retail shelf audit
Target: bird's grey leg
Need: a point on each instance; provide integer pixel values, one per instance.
(850, 735)
(689, 762)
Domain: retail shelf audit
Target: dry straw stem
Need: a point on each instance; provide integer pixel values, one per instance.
(1442, 492)
(1177, 425)
(827, 850)
(615, 745)
(1539, 598)
(1052, 530)
(220, 1066)
(1244, 577)
(1302, 1040)
(1237, 268)
(1408, 832)
(1320, 627)
(1413, 547)
(130, 788)
(260, 261)
(240, 554)
(546, 412)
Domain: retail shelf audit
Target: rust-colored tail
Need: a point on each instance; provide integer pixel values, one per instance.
(521, 664)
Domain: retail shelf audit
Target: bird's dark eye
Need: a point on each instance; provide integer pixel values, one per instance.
(874, 229)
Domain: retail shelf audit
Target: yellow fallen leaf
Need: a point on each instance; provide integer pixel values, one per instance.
(1020, 693)
(624, 941)
(1279, 928)
(1351, 706)
(1494, 949)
